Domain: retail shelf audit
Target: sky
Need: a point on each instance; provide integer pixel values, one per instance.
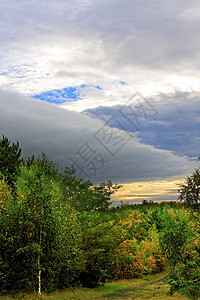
(112, 87)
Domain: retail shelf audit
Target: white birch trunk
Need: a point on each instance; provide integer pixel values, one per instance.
(39, 276)
(39, 264)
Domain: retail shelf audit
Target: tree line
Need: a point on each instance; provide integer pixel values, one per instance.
(57, 230)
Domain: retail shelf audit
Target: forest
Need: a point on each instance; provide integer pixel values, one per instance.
(59, 231)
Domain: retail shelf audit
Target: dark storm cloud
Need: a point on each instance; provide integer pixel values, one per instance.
(172, 121)
(44, 127)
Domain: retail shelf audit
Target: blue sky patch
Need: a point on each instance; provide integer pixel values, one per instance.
(68, 94)
(98, 87)
(60, 96)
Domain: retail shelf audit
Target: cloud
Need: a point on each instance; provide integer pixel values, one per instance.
(127, 48)
(170, 121)
(160, 190)
(40, 126)
(151, 45)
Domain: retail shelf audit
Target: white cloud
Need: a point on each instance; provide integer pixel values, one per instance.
(52, 44)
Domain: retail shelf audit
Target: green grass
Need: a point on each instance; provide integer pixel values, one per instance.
(149, 287)
(72, 293)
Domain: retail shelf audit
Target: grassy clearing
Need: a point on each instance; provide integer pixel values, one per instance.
(72, 293)
(149, 287)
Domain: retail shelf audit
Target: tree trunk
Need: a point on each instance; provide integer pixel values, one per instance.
(39, 263)
(39, 276)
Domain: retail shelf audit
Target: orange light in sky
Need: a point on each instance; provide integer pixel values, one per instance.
(158, 190)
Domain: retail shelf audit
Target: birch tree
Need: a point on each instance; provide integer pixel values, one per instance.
(50, 232)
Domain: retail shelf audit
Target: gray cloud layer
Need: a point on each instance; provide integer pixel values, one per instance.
(39, 126)
(169, 122)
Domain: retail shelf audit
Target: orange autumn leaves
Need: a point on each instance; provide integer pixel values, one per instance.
(137, 257)
(5, 193)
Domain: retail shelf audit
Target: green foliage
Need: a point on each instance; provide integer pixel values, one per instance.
(103, 192)
(57, 230)
(181, 245)
(77, 192)
(175, 233)
(10, 160)
(83, 196)
(99, 244)
(42, 235)
(190, 190)
(44, 163)
(139, 251)
(8, 221)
